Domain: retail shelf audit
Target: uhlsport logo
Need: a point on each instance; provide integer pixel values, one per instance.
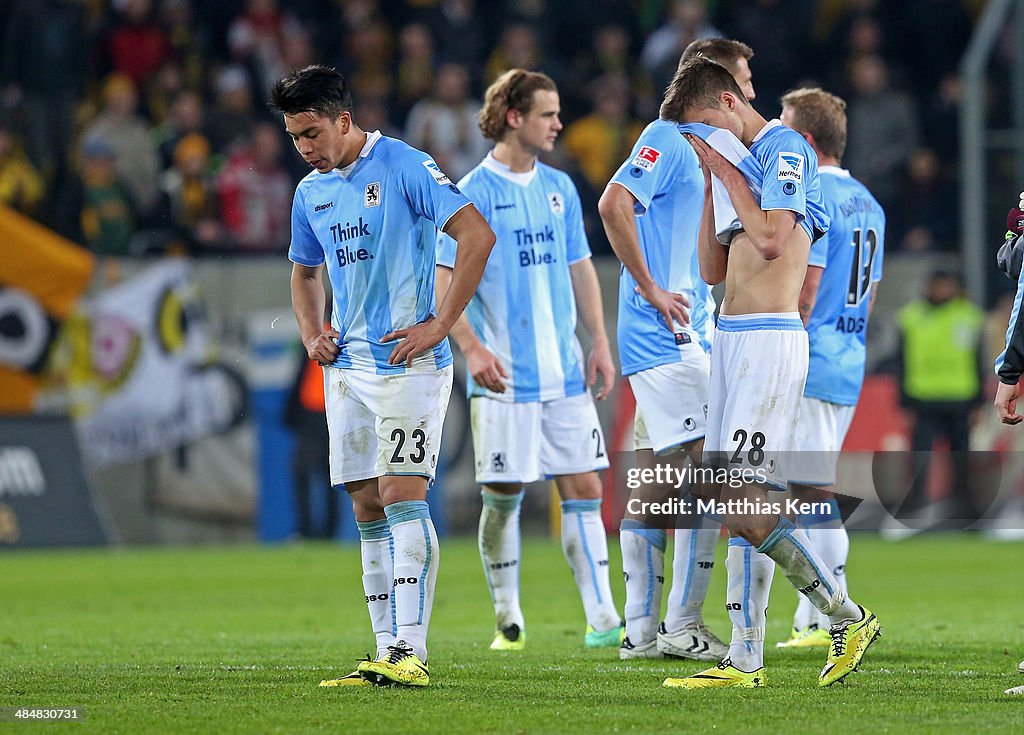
(324, 206)
(791, 167)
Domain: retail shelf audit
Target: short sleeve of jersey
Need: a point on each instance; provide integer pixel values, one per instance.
(430, 192)
(305, 249)
(788, 163)
(819, 250)
(651, 164)
(577, 247)
(445, 250)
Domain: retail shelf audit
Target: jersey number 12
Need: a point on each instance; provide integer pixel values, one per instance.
(865, 245)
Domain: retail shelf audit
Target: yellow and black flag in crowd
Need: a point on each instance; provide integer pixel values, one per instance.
(42, 276)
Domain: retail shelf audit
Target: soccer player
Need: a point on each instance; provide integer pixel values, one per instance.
(759, 365)
(1010, 367)
(651, 211)
(368, 213)
(843, 272)
(531, 412)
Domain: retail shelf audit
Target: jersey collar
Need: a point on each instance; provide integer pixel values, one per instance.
(835, 171)
(768, 126)
(523, 178)
(371, 141)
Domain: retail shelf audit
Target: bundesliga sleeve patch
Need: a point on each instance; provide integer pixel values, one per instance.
(646, 157)
(791, 167)
(436, 172)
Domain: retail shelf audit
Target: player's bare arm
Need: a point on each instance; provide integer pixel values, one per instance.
(308, 304)
(712, 255)
(770, 231)
(588, 299)
(482, 364)
(616, 209)
(809, 292)
(475, 239)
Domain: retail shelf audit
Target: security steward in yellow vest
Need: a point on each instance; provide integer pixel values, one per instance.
(941, 385)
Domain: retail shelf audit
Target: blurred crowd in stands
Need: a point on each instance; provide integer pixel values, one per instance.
(139, 126)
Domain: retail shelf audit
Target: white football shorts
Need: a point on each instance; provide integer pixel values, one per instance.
(526, 442)
(671, 401)
(820, 431)
(758, 371)
(385, 424)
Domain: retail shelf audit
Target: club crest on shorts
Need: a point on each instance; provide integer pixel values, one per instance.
(555, 200)
(689, 424)
(498, 463)
(372, 196)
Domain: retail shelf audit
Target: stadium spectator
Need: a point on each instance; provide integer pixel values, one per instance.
(688, 22)
(187, 39)
(445, 124)
(942, 374)
(107, 219)
(457, 28)
(127, 135)
(256, 39)
(414, 73)
(21, 185)
(184, 117)
(233, 114)
(189, 198)
(256, 192)
(598, 142)
(517, 48)
(134, 45)
(928, 206)
(883, 129)
(43, 71)
(609, 54)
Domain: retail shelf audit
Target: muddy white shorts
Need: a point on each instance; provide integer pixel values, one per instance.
(820, 431)
(671, 401)
(526, 442)
(758, 371)
(385, 424)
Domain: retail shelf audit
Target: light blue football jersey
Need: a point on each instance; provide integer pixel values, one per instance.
(782, 172)
(851, 254)
(524, 310)
(664, 176)
(375, 228)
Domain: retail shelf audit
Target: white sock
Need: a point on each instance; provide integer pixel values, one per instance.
(498, 539)
(792, 551)
(415, 570)
(692, 561)
(643, 567)
(586, 549)
(375, 551)
(750, 582)
(829, 538)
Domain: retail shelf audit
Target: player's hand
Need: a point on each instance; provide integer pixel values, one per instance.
(673, 306)
(1006, 403)
(324, 347)
(415, 340)
(600, 364)
(485, 368)
(712, 160)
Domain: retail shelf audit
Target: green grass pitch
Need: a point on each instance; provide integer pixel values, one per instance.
(235, 640)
